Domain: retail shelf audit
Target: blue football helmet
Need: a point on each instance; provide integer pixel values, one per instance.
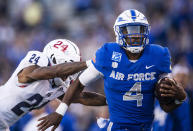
(132, 30)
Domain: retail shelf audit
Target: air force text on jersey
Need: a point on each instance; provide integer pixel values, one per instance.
(136, 76)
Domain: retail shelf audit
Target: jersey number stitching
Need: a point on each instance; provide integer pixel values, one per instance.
(34, 59)
(128, 96)
(28, 105)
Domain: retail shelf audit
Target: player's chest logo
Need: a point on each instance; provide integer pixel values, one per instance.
(116, 56)
(149, 66)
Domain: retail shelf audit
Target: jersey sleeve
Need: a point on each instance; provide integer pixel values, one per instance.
(35, 58)
(32, 58)
(101, 59)
(165, 61)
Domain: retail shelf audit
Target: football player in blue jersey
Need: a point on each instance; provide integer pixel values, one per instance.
(130, 68)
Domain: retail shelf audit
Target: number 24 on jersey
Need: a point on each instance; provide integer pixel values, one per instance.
(34, 59)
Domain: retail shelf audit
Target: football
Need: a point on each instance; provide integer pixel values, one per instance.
(163, 100)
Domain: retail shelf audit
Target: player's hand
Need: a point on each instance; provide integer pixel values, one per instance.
(53, 119)
(172, 89)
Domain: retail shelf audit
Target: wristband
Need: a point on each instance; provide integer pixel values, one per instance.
(62, 108)
(88, 63)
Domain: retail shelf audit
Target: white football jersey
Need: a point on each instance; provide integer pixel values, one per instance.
(17, 99)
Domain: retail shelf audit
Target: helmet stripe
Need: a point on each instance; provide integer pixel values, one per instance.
(73, 47)
(133, 14)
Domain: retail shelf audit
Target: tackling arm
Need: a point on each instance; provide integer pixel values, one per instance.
(89, 99)
(90, 74)
(33, 73)
(74, 90)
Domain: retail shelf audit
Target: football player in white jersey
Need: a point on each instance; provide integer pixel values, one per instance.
(41, 77)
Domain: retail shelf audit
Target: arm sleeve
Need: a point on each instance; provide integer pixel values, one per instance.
(89, 75)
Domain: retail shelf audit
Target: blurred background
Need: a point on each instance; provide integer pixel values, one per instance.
(30, 24)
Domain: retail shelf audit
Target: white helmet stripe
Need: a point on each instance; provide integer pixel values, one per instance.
(73, 47)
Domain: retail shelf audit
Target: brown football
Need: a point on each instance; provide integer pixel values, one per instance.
(164, 100)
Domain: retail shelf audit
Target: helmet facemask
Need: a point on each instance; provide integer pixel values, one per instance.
(134, 37)
(59, 57)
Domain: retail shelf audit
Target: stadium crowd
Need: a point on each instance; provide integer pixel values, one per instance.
(29, 24)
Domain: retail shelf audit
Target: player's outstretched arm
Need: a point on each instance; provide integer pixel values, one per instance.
(89, 75)
(34, 73)
(89, 99)
(175, 91)
(55, 118)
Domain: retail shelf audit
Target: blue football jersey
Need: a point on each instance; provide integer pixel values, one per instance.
(129, 86)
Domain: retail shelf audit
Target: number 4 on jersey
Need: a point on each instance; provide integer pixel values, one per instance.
(128, 96)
